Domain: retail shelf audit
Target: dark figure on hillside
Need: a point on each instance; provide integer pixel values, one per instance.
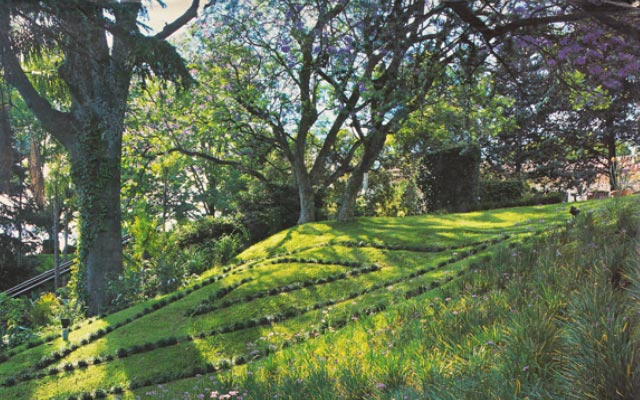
(574, 211)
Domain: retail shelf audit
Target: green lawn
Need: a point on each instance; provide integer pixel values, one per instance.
(476, 305)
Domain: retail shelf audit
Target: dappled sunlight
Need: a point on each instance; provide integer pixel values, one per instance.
(331, 303)
(26, 358)
(80, 380)
(434, 229)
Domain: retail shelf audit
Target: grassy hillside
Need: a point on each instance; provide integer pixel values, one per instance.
(513, 303)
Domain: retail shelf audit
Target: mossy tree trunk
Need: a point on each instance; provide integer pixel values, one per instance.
(102, 45)
(95, 169)
(6, 142)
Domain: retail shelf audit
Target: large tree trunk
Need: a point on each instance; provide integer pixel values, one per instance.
(96, 174)
(372, 148)
(35, 172)
(305, 193)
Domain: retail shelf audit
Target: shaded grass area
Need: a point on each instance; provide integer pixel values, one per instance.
(420, 263)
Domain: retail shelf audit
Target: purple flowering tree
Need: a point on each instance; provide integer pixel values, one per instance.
(327, 82)
(591, 48)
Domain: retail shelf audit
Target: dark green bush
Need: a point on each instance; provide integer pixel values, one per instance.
(450, 178)
(494, 190)
(526, 200)
(269, 208)
(116, 390)
(206, 229)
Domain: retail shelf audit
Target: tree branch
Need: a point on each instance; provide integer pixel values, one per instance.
(59, 124)
(181, 21)
(209, 158)
(466, 14)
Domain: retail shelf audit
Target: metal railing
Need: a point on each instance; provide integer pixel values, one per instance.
(38, 280)
(41, 279)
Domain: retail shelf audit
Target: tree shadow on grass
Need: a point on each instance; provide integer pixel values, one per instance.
(20, 364)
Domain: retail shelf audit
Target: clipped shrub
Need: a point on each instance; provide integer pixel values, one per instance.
(10, 382)
(494, 190)
(116, 390)
(206, 228)
(450, 178)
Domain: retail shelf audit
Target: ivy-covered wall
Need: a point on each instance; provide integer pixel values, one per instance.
(450, 178)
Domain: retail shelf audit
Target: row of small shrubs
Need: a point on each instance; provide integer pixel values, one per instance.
(238, 325)
(298, 260)
(526, 200)
(208, 305)
(337, 322)
(229, 269)
(155, 306)
(240, 359)
(421, 249)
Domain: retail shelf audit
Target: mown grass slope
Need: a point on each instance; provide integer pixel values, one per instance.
(478, 305)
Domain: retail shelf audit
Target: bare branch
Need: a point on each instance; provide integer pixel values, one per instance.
(210, 158)
(467, 15)
(181, 21)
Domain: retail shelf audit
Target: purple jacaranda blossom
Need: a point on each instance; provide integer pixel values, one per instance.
(595, 69)
(612, 84)
(519, 10)
(592, 53)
